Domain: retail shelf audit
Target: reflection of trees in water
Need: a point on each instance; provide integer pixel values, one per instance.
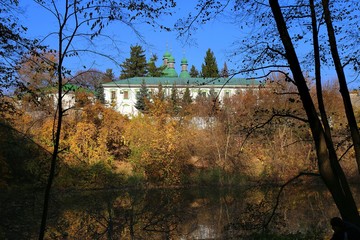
(301, 211)
(139, 214)
(175, 213)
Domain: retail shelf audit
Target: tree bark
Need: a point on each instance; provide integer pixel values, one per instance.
(58, 119)
(328, 164)
(355, 135)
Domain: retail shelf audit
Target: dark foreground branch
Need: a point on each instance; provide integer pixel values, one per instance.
(281, 190)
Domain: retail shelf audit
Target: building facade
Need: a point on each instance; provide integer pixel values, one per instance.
(121, 94)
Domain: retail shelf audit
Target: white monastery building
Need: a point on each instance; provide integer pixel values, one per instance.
(121, 94)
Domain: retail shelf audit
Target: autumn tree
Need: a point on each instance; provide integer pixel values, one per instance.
(13, 44)
(159, 104)
(209, 68)
(37, 80)
(159, 154)
(86, 20)
(90, 80)
(136, 65)
(38, 69)
(277, 47)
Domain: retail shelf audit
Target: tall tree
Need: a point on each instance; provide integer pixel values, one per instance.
(209, 68)
(194, 73)
(38, 69)
(86, 19)
(142, 98)
(225, 71)
(174, 100)
(136, 65)
(91, 80)
(152, 69)
(275, 49)
(187, 100)
(329, 166)
(108, 76)
(13, 44)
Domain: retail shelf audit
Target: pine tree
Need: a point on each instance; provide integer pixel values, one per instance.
(209, 69)
(193, 72)
(99, 93)
(142, 98)
(152, 69)
(136, 65)
(187, 100)
(225, 71)
(174, 100)
(108, 76)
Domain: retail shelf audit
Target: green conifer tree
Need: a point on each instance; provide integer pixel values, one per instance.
(152, 69)
(108, 76)
(136, 65)
(209, 68)
(187, 99)
(225, 71)
(142, 98)
(99, 93)
(174, 100)
(194, 73)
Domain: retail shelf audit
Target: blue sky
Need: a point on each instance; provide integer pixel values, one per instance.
(217, 36)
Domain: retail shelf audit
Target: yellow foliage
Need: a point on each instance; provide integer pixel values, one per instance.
(156, 151)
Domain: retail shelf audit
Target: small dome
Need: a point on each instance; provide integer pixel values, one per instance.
(167, 54)
(184, 61)
(171, 59)
(184, 74)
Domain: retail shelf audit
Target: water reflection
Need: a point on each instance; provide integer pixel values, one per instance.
(191, 213)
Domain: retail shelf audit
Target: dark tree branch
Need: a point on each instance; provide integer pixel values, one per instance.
(281, 190)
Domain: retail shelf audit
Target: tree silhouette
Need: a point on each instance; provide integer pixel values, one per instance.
(274, 50)
(193, 72)
(136, 65)
(142, 98)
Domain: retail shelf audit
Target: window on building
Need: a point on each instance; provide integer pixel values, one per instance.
(113, 96)
(126, 94)
(227, 94)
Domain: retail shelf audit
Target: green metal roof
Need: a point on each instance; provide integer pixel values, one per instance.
(171, 59)
(195, 82)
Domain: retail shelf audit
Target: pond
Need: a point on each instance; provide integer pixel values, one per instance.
(169, 213)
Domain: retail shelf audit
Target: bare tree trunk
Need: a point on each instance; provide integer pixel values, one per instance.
(342, 82)
(316, 48)
(329, 167)
(57, 124)
(54, 156)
